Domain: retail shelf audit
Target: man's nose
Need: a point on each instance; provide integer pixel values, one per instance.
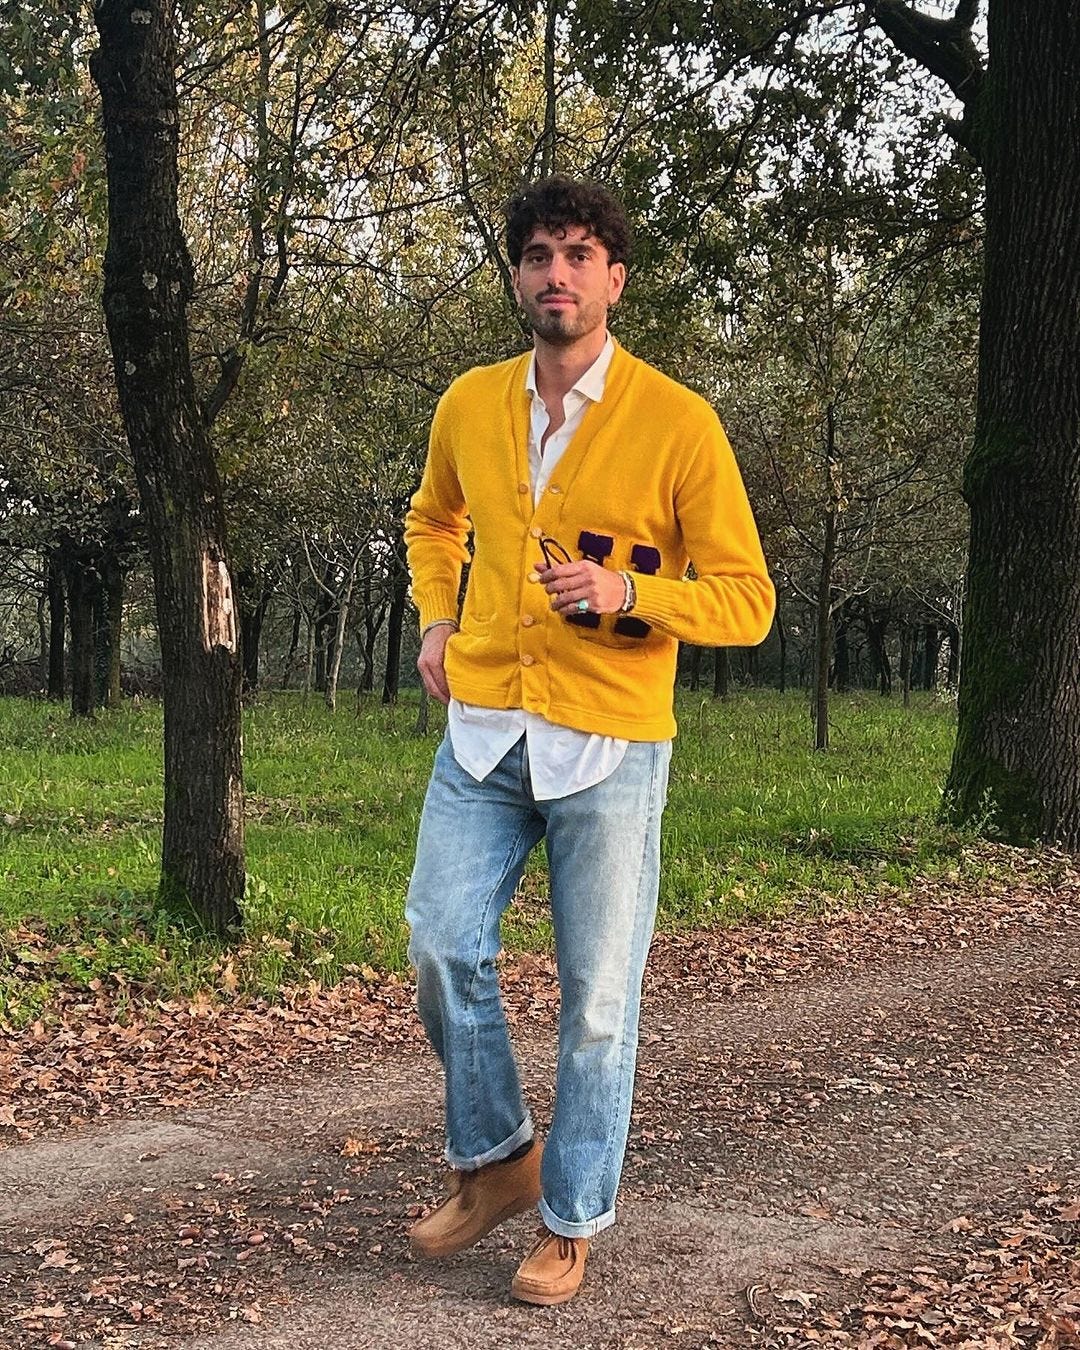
(558, 272)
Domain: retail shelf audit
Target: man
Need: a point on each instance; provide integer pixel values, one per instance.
(590, 482)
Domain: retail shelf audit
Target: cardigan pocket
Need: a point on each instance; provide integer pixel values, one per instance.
(611, 643)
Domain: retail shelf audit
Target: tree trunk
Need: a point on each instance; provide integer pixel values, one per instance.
(952, 675)
(57, 627)
(841, 651)
(81, 586)
(877, 627)
(325, 626)
(823, 635)
(394, 624)
(108, 627)
(148, 285)
(907, 653)
(338, 645)
(823, 625)
(931, 653)
(251, 623)
(373, 622)
(309, 654)
(721, 672)
(1019, 702)
(297, 621)
(695, 668)
(254, 599)
(781, 634)
(421, 728)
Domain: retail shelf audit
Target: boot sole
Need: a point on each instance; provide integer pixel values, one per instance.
(543, 1300)
(451, 1248)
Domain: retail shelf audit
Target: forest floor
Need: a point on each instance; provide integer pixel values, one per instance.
(861, 1128)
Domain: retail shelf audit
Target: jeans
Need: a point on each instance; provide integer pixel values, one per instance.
(603, 847)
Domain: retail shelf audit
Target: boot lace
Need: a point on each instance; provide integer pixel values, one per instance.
(566, 1247)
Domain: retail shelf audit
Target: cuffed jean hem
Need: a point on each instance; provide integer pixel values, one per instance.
(521, 1135)
(575, 1230)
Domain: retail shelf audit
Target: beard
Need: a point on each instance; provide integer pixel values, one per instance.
(563, 327)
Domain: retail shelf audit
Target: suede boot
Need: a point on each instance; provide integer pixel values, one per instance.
(552, 1271)
(478, 1202)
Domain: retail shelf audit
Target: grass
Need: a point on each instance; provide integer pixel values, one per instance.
(757, 822)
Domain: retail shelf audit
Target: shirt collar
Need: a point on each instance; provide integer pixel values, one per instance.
(590, 384)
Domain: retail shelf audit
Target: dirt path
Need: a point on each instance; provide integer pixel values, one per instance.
(871, 1121)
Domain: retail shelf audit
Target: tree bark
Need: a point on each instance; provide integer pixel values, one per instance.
(1019, 704)
(721, 672)
(823, 634)
(421, 727)
(255, 595)
(781, 635)
(952, 675)
(877, 626)
(297, 621)
(148, 285)
(43, 637)
(695, 668)
(841, 651)
(931, 653)
(81, 585)
(57, 628)
(823, 625)
(338, 646)
(108, 627)
(907, 654)
(325, 626)
(394, 625)
(374, 617)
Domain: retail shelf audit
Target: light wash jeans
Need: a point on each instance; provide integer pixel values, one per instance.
(603, 847)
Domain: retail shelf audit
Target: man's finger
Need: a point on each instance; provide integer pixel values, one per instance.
(434, 677)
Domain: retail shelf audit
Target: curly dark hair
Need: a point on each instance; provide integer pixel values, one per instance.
(558, 202)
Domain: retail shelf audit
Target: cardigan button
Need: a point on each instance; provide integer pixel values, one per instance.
(523, 488)
(554, 488)
(533, 576)
(527, 621)
(527, 660)
(537, 532)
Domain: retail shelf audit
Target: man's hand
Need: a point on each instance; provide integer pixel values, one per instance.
(570, 583)
(430, 661)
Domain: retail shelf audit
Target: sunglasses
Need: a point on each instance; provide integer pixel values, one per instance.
(553, 551)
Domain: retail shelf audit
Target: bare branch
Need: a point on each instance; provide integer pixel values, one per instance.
(944, 47)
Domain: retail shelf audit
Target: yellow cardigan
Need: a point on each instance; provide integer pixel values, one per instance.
(649, 482)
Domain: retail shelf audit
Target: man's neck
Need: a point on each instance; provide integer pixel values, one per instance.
(558, 369)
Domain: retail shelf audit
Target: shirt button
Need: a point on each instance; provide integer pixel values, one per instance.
(527, 660)
(523, 487)
(536, 532)
(554, 488)
(527, 621)
(533, 576)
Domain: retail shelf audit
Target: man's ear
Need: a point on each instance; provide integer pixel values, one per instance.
(515, 280)
(616, 282)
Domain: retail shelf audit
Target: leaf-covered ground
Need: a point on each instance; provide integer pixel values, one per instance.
(861, 1129)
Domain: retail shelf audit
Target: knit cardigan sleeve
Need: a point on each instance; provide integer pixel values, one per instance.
(731, 601)
(437, 526)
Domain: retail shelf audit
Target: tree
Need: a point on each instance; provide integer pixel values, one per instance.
(148, 284)
(1019, 699)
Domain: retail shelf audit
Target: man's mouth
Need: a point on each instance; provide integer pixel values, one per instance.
(557, 301)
